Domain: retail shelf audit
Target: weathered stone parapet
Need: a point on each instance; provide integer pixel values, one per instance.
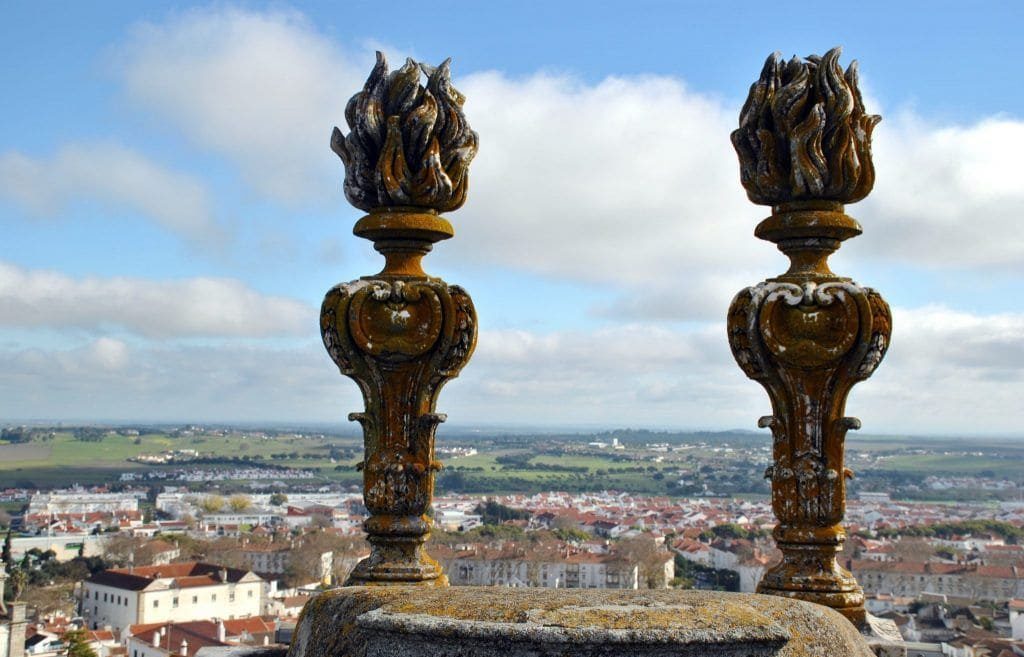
(486, 621)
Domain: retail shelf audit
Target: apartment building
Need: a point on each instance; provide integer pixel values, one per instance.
(121, 597)
(911, 578)
(79, 502)
(515, 566)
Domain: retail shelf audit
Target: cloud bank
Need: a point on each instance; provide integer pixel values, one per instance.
(113, 175)
(629, 185)
(946, 373)
(193, 307)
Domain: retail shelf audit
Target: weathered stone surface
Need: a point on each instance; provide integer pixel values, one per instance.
(479, 622)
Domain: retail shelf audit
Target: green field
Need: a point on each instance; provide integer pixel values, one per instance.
(508, 467)
(65, 459)
(953, 465)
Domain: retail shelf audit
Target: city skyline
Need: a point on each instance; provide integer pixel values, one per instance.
(173, 214)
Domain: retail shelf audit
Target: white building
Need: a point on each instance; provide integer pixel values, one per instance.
(121, 597)
(517, 567)
(274, 559)
(1017, 619)
(59, 502)
(65, 546)
(186, 639)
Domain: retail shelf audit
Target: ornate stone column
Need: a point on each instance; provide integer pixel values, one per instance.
(401, 334)
(808, 335)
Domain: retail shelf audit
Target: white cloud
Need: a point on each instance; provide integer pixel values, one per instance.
(946, 196)
(175, 383)
(113, 175)
(630, 183)
(156, 309)
(947, 372)
(262, 89)
(617, 182)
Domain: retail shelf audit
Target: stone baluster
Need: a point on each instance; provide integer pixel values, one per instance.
(808, 335)
(401, 334)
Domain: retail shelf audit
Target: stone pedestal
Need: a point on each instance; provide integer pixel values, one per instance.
(487, 621)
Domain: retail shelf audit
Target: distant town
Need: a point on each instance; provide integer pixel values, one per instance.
(160, 541)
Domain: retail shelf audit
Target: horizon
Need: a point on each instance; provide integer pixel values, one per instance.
(460, 430)
(173, 214)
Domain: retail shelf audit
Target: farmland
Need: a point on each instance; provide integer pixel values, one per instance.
(643, 462)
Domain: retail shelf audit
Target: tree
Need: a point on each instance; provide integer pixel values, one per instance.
(212, 504)
(18, 581)
(224, 552)
(320, 520)
(239, 503)
(5, 556)
(78, 645)
(305, 560)
(649, 556)
(495, 513)
(278, 499)
(120, 549)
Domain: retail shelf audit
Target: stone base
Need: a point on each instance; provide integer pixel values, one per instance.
(486, 621)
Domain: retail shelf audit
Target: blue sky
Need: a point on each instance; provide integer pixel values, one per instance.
(172, 214)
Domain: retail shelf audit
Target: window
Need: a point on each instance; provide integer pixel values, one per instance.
(195, 599)
(104, 597)
(231, 597)
(174, 602)
(87, 595)
(250, 593)
(213, 598)
(156, 603)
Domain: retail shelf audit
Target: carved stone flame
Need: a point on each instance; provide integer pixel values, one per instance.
(409, 144)
(804, 134)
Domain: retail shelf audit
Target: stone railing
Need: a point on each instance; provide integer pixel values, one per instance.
(807, 336)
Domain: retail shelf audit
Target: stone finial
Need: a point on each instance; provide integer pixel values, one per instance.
(409, 145)
(804, 134)
(401, 334)
(808, 335)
